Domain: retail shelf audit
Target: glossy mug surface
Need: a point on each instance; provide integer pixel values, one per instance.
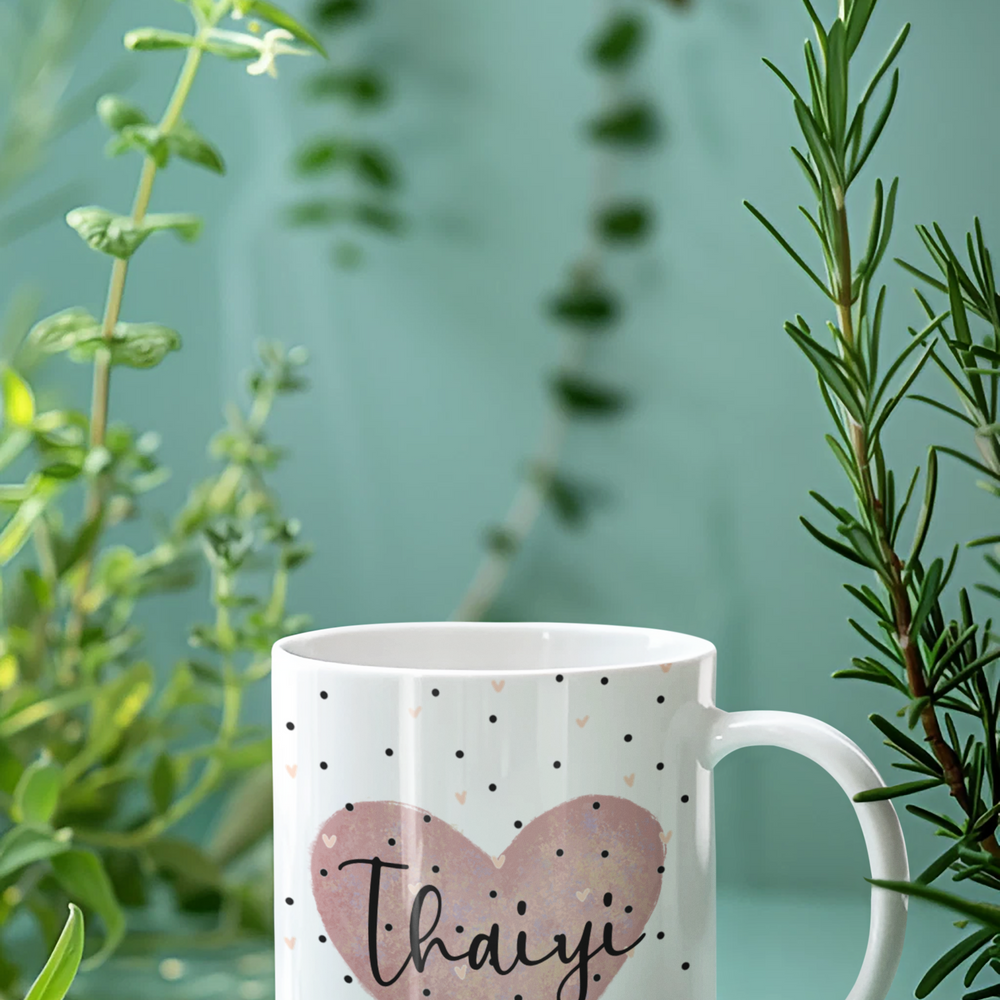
(519, 812)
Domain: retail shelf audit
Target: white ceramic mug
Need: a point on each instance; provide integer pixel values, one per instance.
(519, 812)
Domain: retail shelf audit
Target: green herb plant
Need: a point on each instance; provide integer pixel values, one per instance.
(362, 173)
(939, 665)
(584, 309)
(101, 755)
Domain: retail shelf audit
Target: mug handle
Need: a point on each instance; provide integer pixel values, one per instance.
(854, 772)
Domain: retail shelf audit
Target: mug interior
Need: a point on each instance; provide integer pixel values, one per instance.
(494, 646)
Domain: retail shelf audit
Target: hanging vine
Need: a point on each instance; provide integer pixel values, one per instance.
(584, 309)
(360, 174)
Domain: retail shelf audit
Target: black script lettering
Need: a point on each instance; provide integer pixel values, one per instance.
(373, 889)
(581, 966)
(611, 949)
(420, 960)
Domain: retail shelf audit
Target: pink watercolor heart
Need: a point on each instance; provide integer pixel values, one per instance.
(481, 909)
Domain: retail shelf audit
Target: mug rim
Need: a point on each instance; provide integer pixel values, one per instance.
(694, 648)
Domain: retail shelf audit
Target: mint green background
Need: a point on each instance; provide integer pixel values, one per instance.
(428, 364)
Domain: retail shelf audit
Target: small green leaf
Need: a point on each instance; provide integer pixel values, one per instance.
(627, 222)
(18, 400)
(586, 398)
(587, 306)
(364, 88)
(227, 48)
(107, 232)
(82, 875)
(334, 13)
(947, 964)
(188, 227)
(189, 144)
(144, 139)
(117, 113)
(37, 794)
(25, 845)
(63, 330)
(134, 345)
(375, 166)
(619, 43)
(632, 124)
(895, 791)
(162, 783)
(280, 19)
(60, 970)
(151, 39)
(321, 155)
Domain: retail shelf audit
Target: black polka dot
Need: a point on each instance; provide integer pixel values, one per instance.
(392, 841)
(628, 909)
(660, 936)
(349, 807)
(660, 869)
(685, 798)
(604, 680)
(517, 996)
(323, 765)
(559, 853)
(493, 718)
(659, 767)
(323, 872)
(435, 692)
(628, 737)
(388, 752)
(522, 908)
(289, 900)
(388, 927)
(289, 725)
(608, 898)
(685, 966)
(493, 894)
(427, 993)
(493, 788)
(322, 939)
(348, 979)
(556, 764)
(604, 854)
(559, 678)
(427, 819)
(459, 754)
(435, 869)
(597, 805)
(597, 977)
(323, 695)
(459, 929)
(661, 699)
(518, 824)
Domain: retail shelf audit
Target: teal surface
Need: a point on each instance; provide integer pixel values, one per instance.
(429, 363)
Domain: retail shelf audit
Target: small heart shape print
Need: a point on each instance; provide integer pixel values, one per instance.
(414, 712)
(498, 685)
(665, 667)
(665, 837)
(583, 895)
(582, 722)
(330, 841)
(461, 970)
(291, 943)
(292, 769)
(630, 779)
(415, 887)
(461, 797)
(498, 862)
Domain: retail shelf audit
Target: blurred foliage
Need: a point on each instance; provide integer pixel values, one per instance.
(360, 173)
(942, 664)
(103, 754)
(586, 307)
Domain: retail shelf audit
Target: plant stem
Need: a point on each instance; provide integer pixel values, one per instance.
(899, 598)
(102, 362)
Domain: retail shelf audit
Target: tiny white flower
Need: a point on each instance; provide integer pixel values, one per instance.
(272, 45)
